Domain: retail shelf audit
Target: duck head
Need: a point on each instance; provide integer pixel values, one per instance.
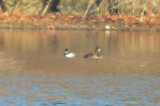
(97, 50)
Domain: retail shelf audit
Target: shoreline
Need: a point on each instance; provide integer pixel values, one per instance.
(87, 27)
(57, 21)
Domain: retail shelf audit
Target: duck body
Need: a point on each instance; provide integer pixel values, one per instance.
(89, 55)
(92, 55)
(95, 55)
(69, 54)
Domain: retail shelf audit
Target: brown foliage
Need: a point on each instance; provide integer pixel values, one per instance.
(52, 20)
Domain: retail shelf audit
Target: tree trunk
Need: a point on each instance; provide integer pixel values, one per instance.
(90, 4)
(4, 9)
(113, 6)
(46, 8)
(51, 7)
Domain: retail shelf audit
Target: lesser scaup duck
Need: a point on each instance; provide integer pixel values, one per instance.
(95, 55)
(69, 54)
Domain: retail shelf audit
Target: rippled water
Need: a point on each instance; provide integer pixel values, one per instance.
(34, 72)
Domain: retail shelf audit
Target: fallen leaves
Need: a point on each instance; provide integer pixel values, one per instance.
(54, 20)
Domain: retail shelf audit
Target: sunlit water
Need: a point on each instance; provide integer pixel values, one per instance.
(34, 72)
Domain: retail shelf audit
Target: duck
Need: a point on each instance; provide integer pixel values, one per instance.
(96, 55)
(69, 54)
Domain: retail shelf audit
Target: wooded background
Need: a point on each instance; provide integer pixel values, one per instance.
(78, 7)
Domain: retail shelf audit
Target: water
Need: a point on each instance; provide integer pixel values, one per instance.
(34, 72)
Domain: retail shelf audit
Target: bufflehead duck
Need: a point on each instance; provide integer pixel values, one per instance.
(69, 54)
(95, 55)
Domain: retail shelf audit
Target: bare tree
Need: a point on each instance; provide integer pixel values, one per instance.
(4, 9)
(53, 6)
(15, 5)
(113, 6)
(49, 6)
(90, 4)
(98, 2)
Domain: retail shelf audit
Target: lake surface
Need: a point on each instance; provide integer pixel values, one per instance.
(34, 72)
